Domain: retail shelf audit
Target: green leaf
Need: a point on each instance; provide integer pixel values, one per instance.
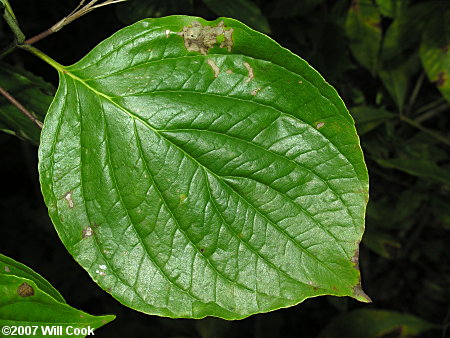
(405, 32)
(27, 299)
(10, 266)
(396, 76)
(192, 178)
(434, 50)
(368, 118)
(390, 8)
(363, 26)
(375, 323)
(32, 92)
(418, 167)
(244, 10)
(134, 10)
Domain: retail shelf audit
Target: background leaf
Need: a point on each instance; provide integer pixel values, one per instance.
(434, 49)
(363, 26)
(33, 92)
(375, 323)
(192, 178)
(27, 299)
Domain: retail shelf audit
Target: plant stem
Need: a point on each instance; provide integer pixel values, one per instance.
(19, 106)
(432, 112)
(78, 12)
(11, 20)
(432, 133)
(415, 91)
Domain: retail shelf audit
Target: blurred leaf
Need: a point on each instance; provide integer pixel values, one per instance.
(404, 33)
(134, 10)
(418, 167)
(27, 299)
(363, 27)
(434, 49)
(290, 8)
(375, 323)
(32, 92)
(396, 77)
(390, 8)
(382, 243)
(368, 118)
(243, 10)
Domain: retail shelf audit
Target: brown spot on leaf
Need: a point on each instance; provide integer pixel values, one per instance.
(202, 249)
(214, 67)
(229, 71)
(25, 290)
(68, 198)
(199, 38)
(319, 125)
(442, 79)
(87, 232)
(7, 269)
(255, 91)
(250, 75)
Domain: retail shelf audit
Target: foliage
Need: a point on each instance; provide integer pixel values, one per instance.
(398, 94)
(27, 299)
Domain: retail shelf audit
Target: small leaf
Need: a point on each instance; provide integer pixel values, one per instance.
(363, 26)
(197, 168)
(27, 299)
(244, 10)
(434, 50)
(375, 323)
(32, 92)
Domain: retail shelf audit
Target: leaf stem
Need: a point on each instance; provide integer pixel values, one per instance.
(43, 56)
(19, 106)
(430, 132)
(12, 22)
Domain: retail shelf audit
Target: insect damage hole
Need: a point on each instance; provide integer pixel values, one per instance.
(199, 38)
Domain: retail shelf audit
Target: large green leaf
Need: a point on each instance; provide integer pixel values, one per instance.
(32, 92)
(27, 299)
(197, 168)
(434, 49)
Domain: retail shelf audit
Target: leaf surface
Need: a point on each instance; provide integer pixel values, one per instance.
(27, 299)
(192, 178)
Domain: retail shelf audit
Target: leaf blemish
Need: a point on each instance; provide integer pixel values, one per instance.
(320, 125)
(250, 75)
(68, 198)
(7, 269)
(198, 38)
(167, 32)
(87, 232)
(229, 71)
(25, 290)
(255, 91)
(101, 273)
(214, 67)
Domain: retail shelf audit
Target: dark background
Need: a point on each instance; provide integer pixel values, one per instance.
(404, 255)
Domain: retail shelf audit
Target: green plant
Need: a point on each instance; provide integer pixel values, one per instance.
(148, 126)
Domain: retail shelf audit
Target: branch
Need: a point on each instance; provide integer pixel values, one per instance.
(19, 106)
(78, 12)
(11, 20)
